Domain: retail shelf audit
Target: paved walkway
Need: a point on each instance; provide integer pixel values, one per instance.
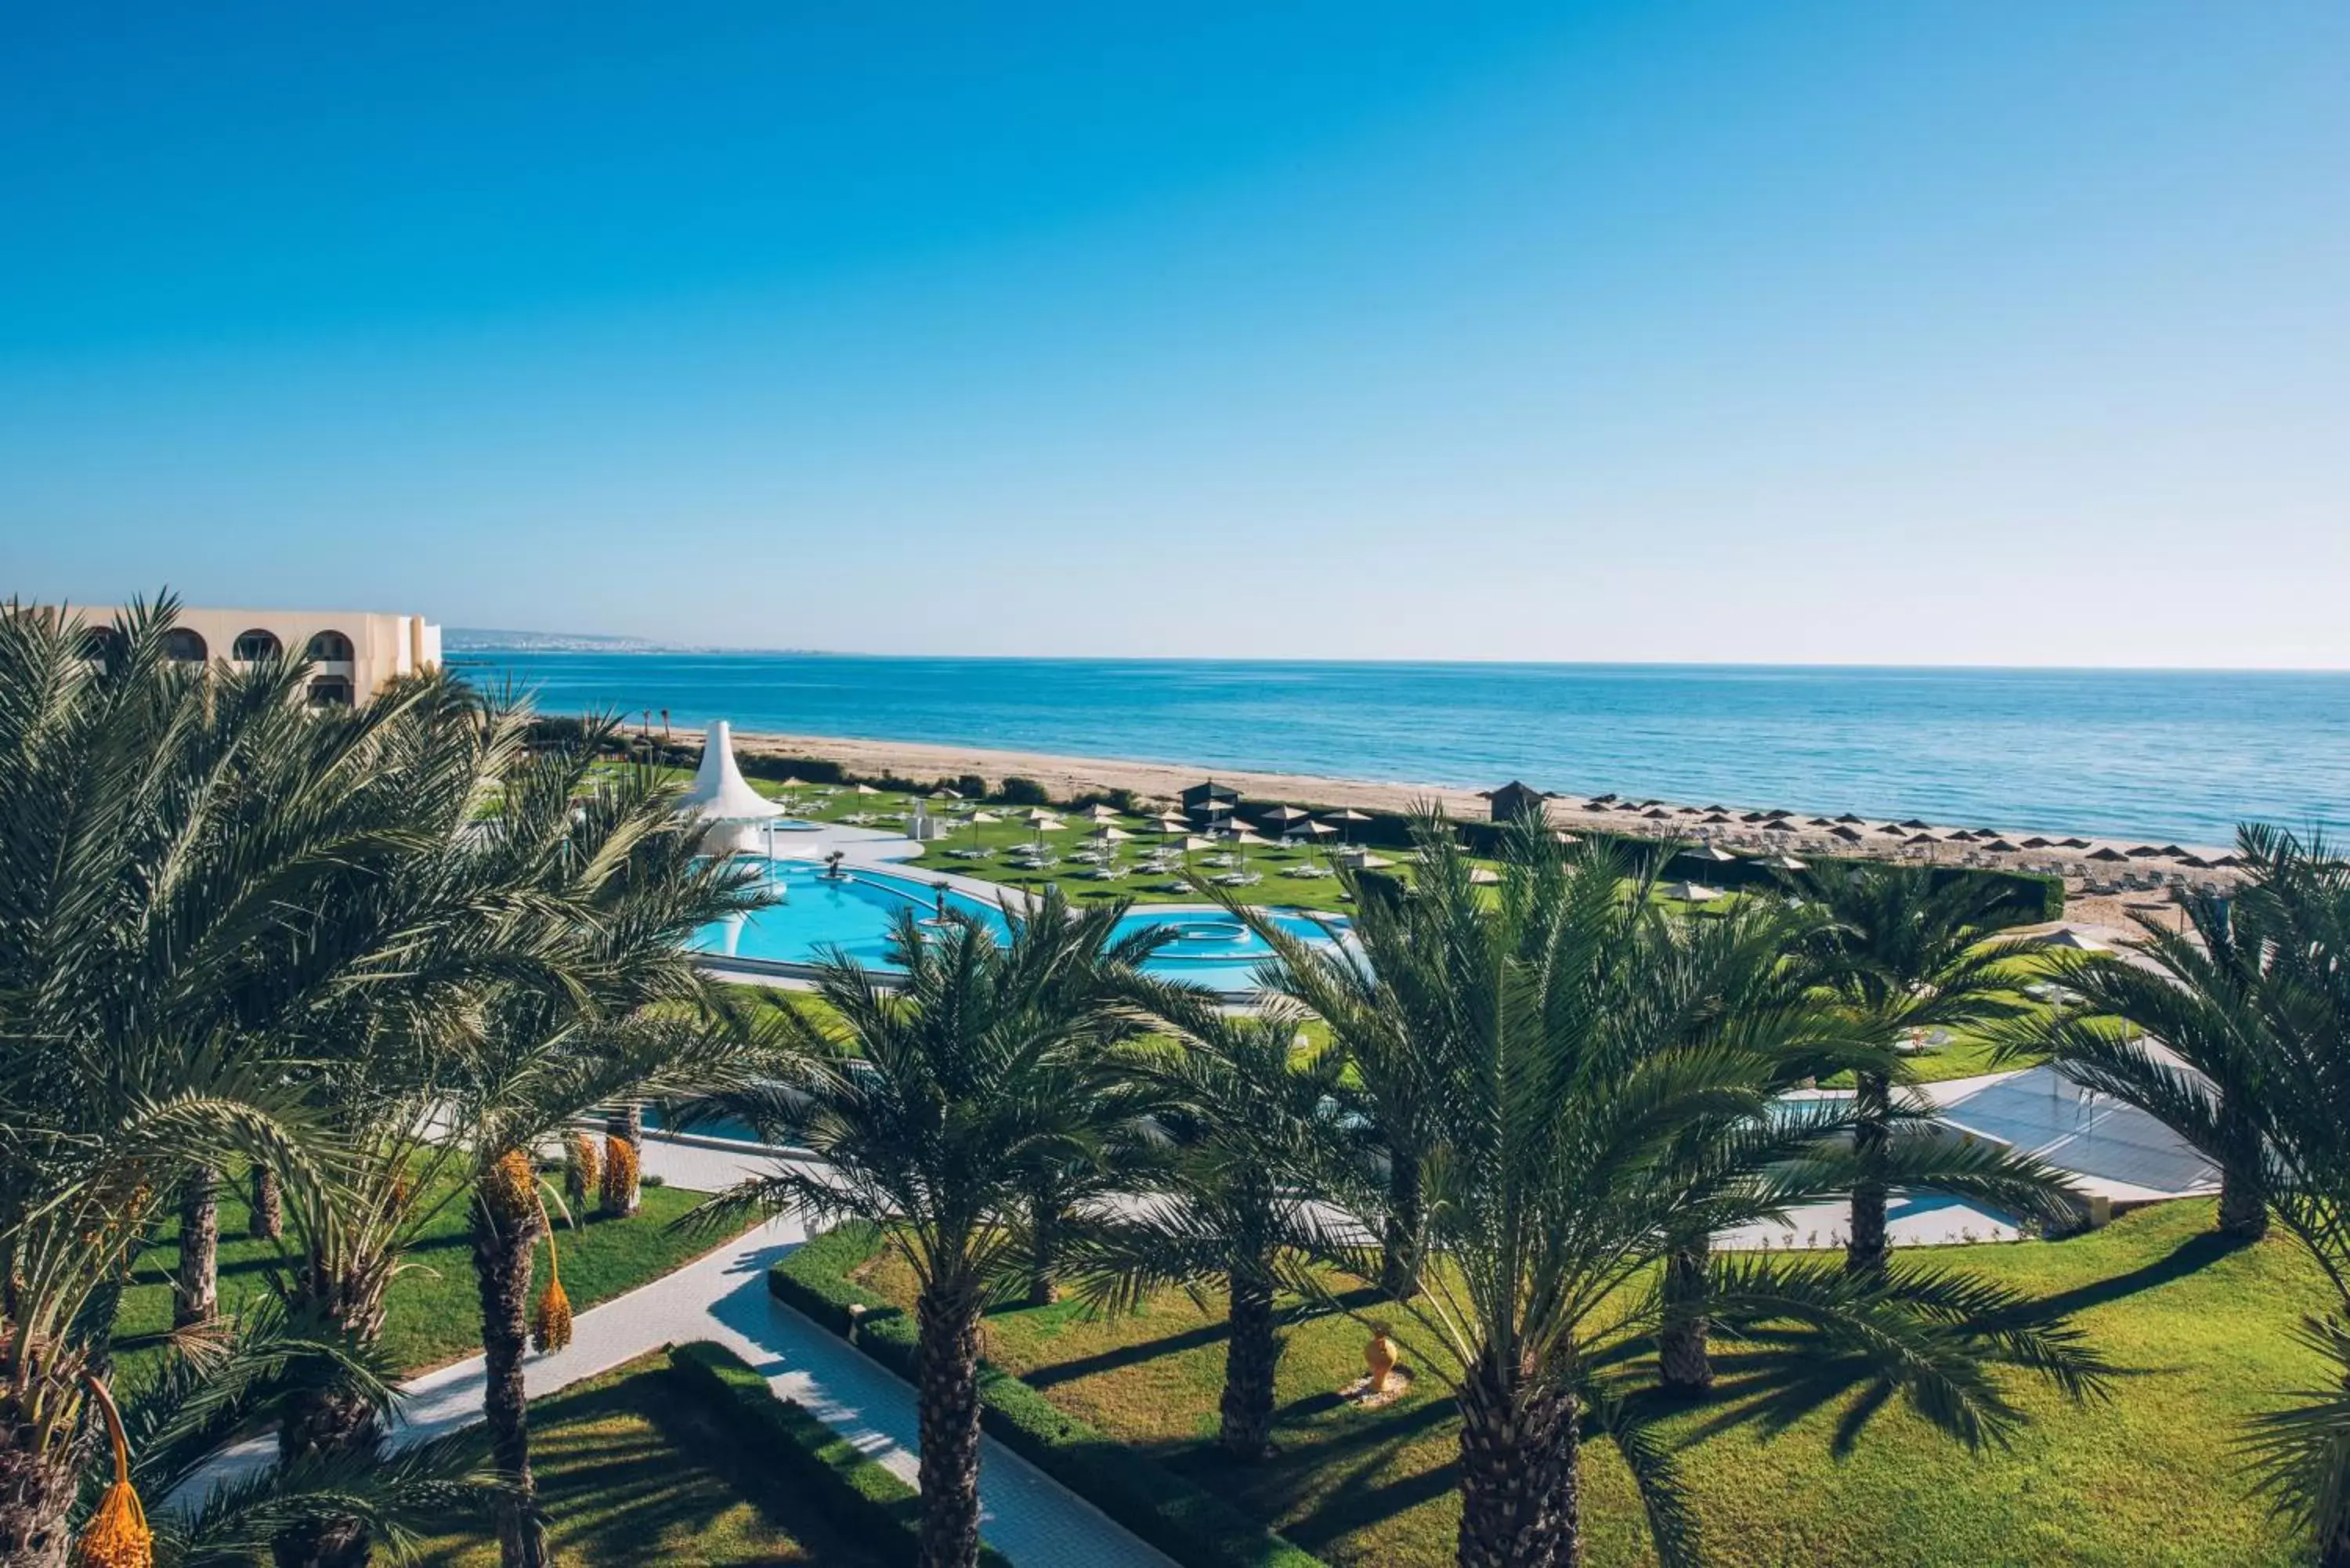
(1024, 1513)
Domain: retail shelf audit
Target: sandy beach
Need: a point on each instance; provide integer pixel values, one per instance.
(1064, 776)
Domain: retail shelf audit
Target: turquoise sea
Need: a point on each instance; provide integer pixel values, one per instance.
(2159, 754)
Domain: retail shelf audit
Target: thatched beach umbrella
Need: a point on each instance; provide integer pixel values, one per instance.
(1850, 835)
(1711, 854)
(2108, 854)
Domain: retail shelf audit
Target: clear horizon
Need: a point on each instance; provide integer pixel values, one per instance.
(1834, 336)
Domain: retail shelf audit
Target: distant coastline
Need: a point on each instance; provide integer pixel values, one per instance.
(2169, 757)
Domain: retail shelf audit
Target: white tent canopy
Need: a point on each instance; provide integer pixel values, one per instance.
(719, 793)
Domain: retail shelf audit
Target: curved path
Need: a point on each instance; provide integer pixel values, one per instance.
(722, 1296)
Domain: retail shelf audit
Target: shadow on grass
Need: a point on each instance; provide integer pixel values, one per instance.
(2191, 1256)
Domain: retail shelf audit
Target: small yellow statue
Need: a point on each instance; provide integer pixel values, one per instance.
(1378, 1358)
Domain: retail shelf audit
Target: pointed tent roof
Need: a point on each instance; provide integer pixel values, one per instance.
(719, 793)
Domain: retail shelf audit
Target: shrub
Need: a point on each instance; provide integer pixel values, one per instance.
(1121, 799)
(970, 786)
(1020, 791)
(1183, 1519)
(777, 1434)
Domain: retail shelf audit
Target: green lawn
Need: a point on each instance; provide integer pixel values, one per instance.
(629, 1473)
(2203, 1335)
(435, 1315)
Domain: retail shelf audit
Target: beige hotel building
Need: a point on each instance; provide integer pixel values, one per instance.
(353, 653)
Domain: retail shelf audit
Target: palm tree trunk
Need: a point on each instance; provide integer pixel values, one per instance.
(946, 1371)
(1684, 1366)
(2243, 1194)
(502, 1254)
(268, 1217)
(1521, 1498)
(1407, 1216)
(36, 1488)
(195, 1285)
(1251, 1356)
(2243, 1206)
(1044, 1246)
(1864, 1250)
(331, 1420)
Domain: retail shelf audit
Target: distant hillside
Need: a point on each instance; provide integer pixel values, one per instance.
(464, 639)
(487, 639)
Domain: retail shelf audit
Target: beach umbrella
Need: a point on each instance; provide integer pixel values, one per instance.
(1314, 829)
(942, 793)
(2070, 940)
(1283, 815)
(2145, 852)
(1170, 823)
(1778, 827)
(1781, 812)
(2225, 862)
(2002, 847)
(982, 814)
(2107, 854)
(1597, 805)
(1893, 830)
(1343, 818)
(1483, 877)
(1211, 807)
(1850, 820)
(2174, 851)
(1691, 892)
(2195, 861)
(1371, 861)
(864, 789)
(1192, 842)
(1108, 834)
(1846, 834)
(2072, 844)
(1917, 827)
(1563, 836)
(1712, 855)
(1963, 836)
(2039, 844)
(1654, 816)
(1602, 799)
(1783, 863)
(1719, 819)
(1097, 811)
(1751, 816)
(1922, 838)
(1241, 834)
(1716, 806)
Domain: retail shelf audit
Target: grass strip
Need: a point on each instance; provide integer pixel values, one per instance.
(1180, 1518)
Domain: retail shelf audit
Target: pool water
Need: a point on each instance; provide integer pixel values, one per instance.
(853, 913)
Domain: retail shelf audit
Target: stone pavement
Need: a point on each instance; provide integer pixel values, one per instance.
(722, 1296)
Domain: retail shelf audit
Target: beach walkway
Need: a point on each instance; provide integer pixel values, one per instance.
(722, 1296)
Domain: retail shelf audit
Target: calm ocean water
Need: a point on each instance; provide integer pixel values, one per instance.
(2171, 755)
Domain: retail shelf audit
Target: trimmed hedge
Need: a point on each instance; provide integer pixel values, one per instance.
(1185, 1520)
(855, 1492)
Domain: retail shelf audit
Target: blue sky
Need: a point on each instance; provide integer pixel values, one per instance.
(1917, 333)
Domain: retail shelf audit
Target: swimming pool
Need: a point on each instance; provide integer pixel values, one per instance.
(853, 914)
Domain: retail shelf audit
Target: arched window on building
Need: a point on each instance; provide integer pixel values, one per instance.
(256, 644)
(330, 691)
(332, 648)
(180, 643)
(101, 642)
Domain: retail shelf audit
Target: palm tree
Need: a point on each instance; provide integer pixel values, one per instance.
(155, 822)
(635, 1019)
(933, 1108)
(1385, 994)
(2199, 1003)
(1577, 1129)
(178, 852)
(2245, 1044)
(1245, 1102)
(1903, 949)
